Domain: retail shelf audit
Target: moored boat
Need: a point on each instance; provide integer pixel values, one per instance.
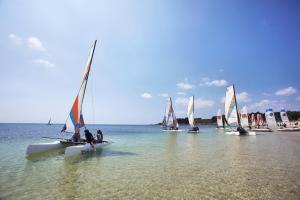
(190, 113)
(170, 123)
(232, 117)
(74, 120)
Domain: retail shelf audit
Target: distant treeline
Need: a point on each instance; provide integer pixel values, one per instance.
(292, 115)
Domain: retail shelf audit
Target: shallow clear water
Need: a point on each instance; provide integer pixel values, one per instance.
(145, 163)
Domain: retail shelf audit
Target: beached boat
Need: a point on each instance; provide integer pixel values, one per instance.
(74, 120)
(190, 112)
(286, 124)
(232, 118)
(220, 122)
(170, 123)
(258, 124)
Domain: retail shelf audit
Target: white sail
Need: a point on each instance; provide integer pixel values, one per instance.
(231, 114)
(270, 118)
(191, 112)
(219, 118)
(244, 117)
(170, 118)
(284, 116)
(75, 118)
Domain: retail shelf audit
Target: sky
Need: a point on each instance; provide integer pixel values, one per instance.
(146, 52)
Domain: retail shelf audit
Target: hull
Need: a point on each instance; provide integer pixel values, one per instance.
(249, 133)
(261, 130)
(191, 131)
(34, 149)
(82, 149)
(179, 130)
(288, 129)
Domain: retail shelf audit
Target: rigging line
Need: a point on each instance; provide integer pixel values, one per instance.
(92, 95)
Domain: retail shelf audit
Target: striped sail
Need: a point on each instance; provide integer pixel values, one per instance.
(284, 116)
(219, 118)
(75, 118)
(191, 112)
(260, 120)
(231, 114)
(170, 118)
(253, 120)
(270, 118)
(244, 117)
(167, 113)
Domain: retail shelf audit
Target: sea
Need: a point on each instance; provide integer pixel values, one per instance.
(145, 163)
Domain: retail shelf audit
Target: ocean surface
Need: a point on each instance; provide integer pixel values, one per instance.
(145, 163)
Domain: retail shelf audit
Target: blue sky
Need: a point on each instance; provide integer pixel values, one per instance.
(146, 51)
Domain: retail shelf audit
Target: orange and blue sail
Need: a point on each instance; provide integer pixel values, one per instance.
(75, 118)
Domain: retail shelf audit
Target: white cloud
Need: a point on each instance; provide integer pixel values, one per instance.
(266, 103)
(240, 97)
(181, 93)
(146, 95)
(217, 83)
(286, 91)
(184, 86)
(44, 63)
(199, 103)
(298, 98)
(16, 39)
(163, 95)
(243, 97)
(35, 43)
(223, 99)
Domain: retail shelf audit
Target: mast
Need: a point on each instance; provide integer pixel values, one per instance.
(239, 120)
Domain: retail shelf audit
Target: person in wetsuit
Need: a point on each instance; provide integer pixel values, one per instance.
(99, 136)
(89, 137)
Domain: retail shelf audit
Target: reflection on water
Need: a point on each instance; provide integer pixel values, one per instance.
(154, 165)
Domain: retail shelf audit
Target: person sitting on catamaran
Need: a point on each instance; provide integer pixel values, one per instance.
(76, 136)
(89, 137)
(99, 136)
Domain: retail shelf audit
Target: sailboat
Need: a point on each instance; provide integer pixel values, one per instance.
(270, 119)
(260, 125)
(170, 122)
(220, 124)
(73, 123)
(49, 122)
(244, 118)
(286, 122)
(191, 119)
(232, 117)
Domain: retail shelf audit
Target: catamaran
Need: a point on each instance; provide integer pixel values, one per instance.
(244, 118)
(270, 119)
(170, 122)
(258, 124)
(286, 125)
(73, 123)
(232, 117)
(191, 119)
(220, 123)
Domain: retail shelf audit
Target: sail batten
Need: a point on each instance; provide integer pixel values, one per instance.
(75, 118)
